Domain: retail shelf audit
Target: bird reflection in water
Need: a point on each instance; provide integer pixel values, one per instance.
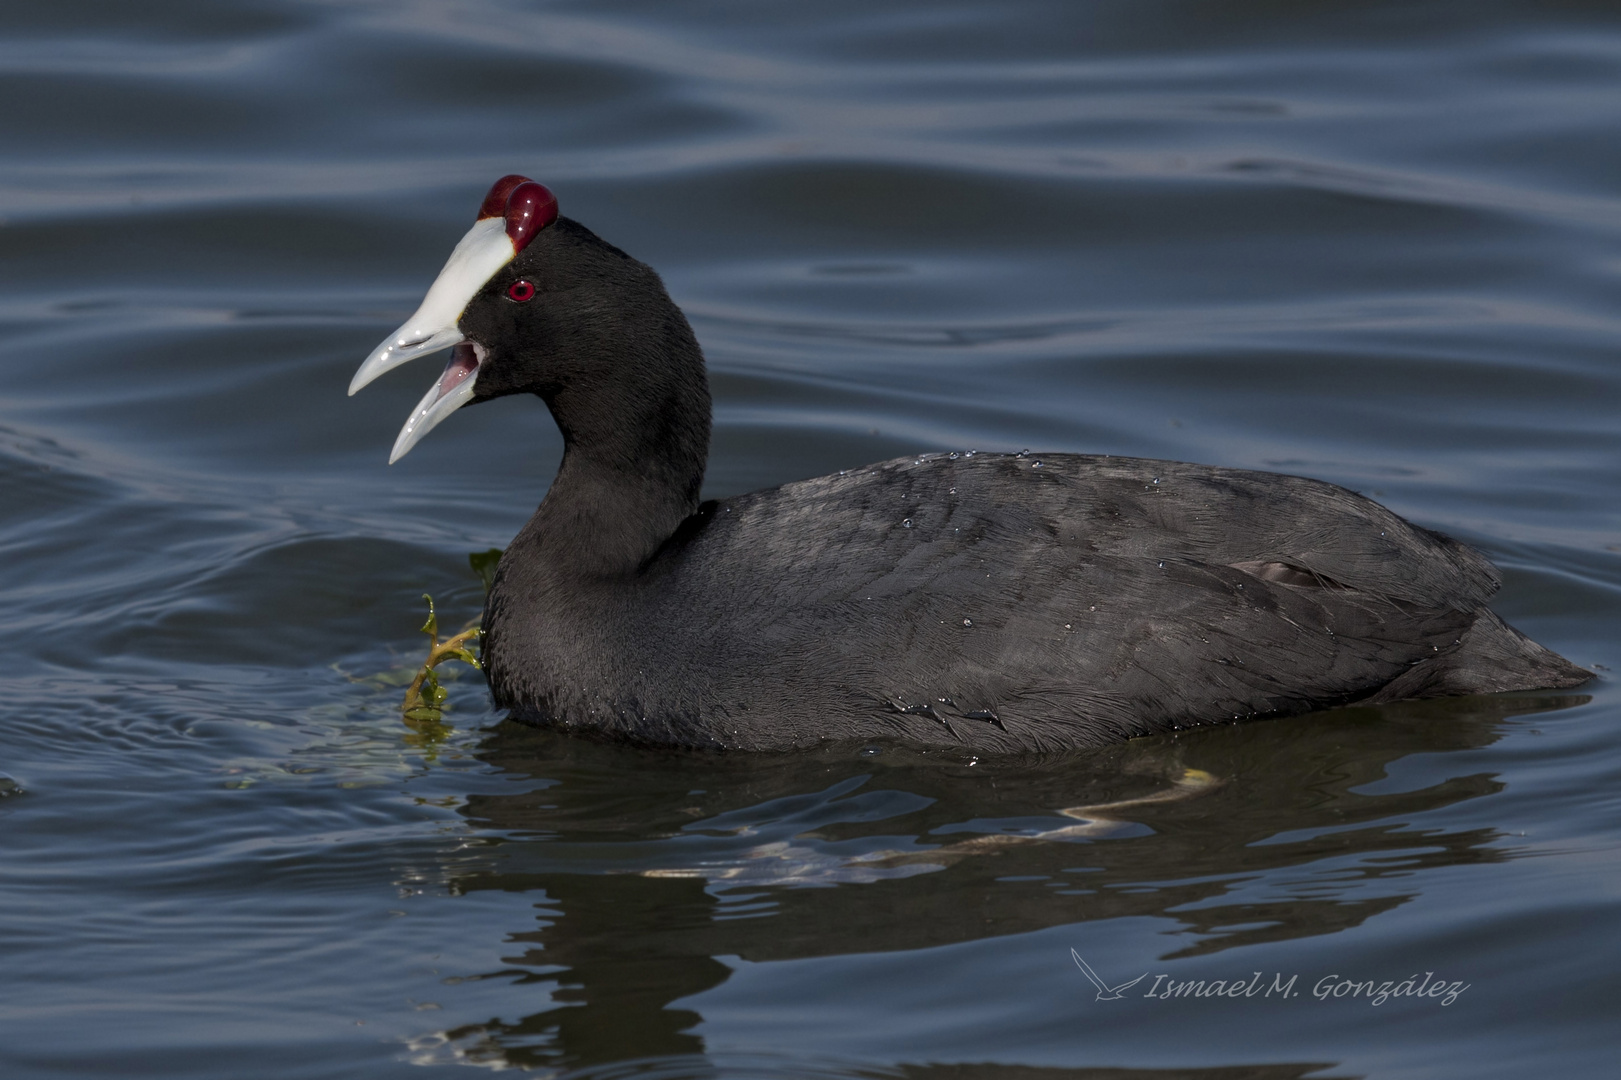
(1232, 837)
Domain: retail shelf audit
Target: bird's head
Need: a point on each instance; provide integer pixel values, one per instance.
(532, 302)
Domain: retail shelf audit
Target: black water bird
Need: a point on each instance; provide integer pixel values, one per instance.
(995, 602)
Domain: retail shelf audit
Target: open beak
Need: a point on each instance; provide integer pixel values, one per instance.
(483, 251)
(453, 390)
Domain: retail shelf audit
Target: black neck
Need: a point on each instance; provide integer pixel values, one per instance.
(635, 444)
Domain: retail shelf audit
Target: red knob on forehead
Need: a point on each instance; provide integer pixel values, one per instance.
(530, 208)
(495, 203)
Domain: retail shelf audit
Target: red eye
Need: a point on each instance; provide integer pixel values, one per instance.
(520, 290)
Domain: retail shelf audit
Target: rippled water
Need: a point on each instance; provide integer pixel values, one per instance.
(1373, 243)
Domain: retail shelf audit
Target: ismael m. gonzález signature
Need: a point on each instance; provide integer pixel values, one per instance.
(1375, 991)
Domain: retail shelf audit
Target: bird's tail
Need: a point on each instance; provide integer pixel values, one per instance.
(1491, 657)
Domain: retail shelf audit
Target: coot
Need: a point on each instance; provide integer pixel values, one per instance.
(993, 602)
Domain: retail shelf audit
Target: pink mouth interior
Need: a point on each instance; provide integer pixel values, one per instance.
(463, 363)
